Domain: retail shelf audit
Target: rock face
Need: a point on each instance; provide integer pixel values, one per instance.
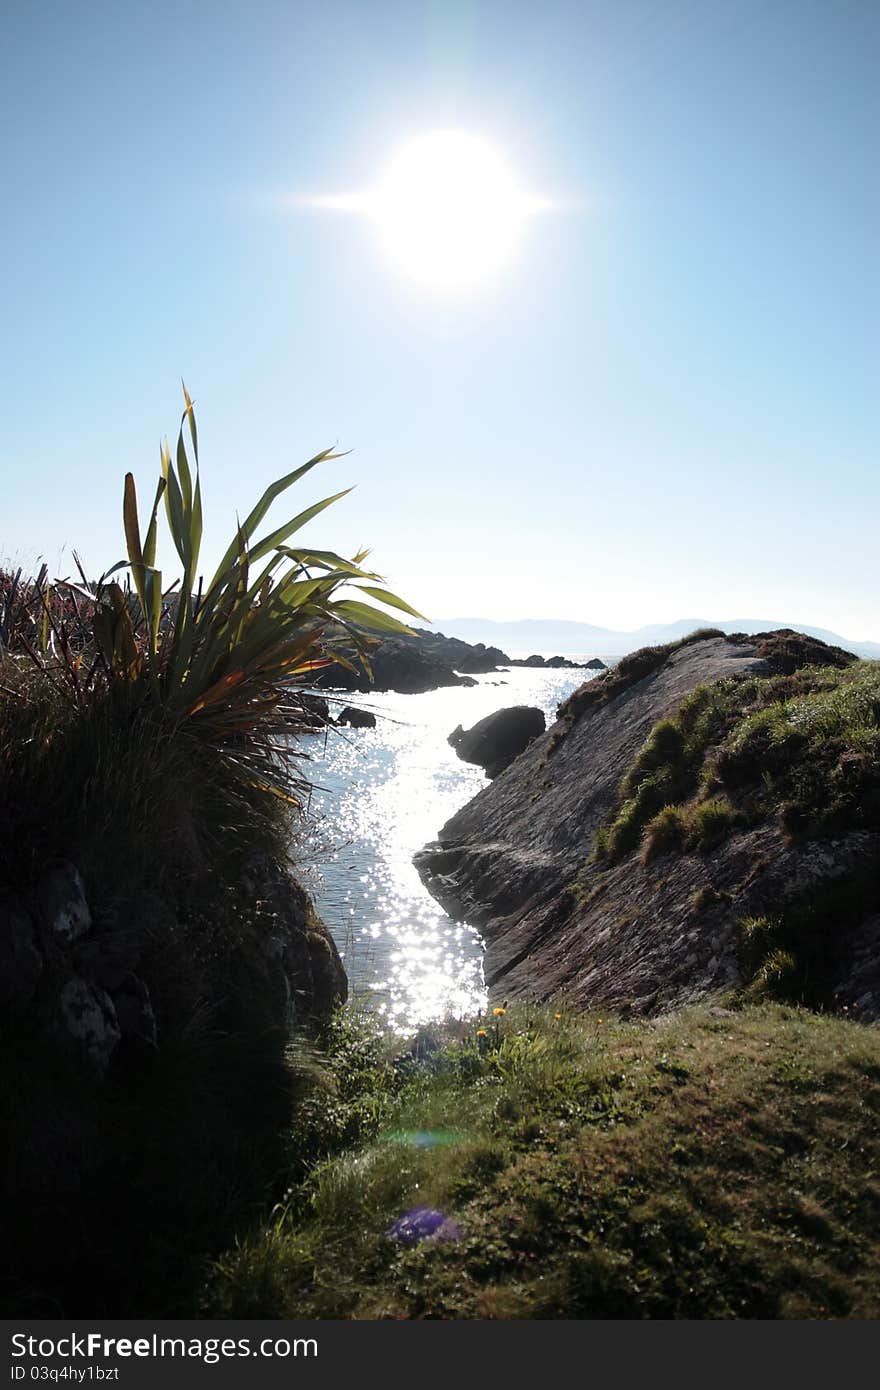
(634, 937)
(285, 929)
(86, 984)
(145, 1071)
(87, 1019)
(495, 741)
(62, 903)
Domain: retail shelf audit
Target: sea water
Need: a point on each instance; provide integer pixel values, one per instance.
(380, 795)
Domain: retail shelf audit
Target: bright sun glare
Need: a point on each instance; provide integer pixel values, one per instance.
(448, 209)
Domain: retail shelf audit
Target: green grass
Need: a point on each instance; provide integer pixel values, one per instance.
(666, 833)
(715, 1164)
(803, 748)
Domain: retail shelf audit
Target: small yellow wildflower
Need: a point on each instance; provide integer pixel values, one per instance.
(557, 1016)
(481, 1032)
(499, 1012)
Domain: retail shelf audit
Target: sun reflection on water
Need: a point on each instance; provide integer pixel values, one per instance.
(382, 794)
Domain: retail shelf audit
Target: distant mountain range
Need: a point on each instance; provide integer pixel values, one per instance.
(550, 636)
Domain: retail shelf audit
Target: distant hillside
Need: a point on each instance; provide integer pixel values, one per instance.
(542, 634)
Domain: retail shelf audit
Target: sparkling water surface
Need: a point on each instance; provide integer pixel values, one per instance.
(380, 795)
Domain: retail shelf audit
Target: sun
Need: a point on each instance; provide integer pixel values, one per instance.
(448, 209)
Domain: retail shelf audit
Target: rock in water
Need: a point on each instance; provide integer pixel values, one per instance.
(495, 741)
(357, 718)
(316, 711)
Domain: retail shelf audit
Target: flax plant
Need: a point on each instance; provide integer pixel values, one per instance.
(223, 661)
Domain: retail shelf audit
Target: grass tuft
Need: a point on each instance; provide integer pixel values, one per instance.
(664, 834)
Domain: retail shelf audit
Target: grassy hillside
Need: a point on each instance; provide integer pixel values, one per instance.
(803, 746)
(715, 1164)
(799, 750)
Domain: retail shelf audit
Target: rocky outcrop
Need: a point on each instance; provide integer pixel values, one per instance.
(145, 1050)
(642, 937)
(470, 658)
(87, 983)
(495, 741)
(430, 660)
(412, 665)
(284, 928)
(87, 1020)
(398, 663)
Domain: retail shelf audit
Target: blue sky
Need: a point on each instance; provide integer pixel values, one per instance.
(662, 408)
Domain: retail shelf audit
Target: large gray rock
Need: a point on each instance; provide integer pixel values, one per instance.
(357, 718)
(63, 909)
(88, 1019)
(495, 741)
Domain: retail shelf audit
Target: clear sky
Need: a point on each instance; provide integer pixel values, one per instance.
(665, 404)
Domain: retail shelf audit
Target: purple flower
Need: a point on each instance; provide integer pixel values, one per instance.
(423, 1223)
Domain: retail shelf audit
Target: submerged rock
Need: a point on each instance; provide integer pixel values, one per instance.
(495, 741)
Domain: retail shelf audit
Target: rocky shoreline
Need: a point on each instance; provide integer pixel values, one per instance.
(429, 661)
(636, 936)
